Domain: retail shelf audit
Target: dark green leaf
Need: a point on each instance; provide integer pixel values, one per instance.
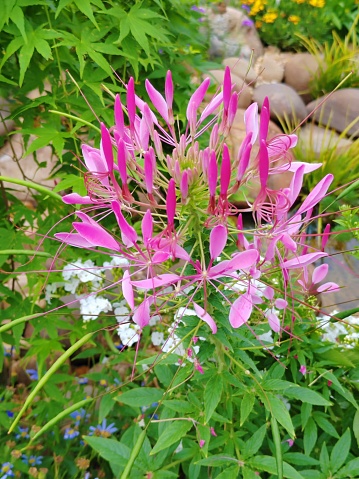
(310, 436)
(324, 424)
(246, 406)
(268, 464)
(281, 414)
(324, 459)
(306, 395)
(299, 459)
(340, 452)
(217, 460)
(253, 444)
(212, 395)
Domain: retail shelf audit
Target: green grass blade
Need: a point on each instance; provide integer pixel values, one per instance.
(278, 447)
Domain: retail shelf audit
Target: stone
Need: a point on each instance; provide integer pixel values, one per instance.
(317, 139)
(241, 68)
(285, 103)
(240, 86)
(338, 111)
(269, 68)
(232, 33)
(299, 71)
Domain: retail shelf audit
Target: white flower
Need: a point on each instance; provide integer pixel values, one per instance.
(92, 306)
(154, 320)
(122, 313)
(50, 289)
(118, 261)
(71, 286)
(128, 333)
(157, 338)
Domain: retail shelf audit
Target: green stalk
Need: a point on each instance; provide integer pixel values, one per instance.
(47, 376)
(73, 117)
(30, 184)
(134, 454)
(278, 447)
(28, 252)
(57, 418)
(17, 321)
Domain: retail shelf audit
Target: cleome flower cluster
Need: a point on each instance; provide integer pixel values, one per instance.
(179, 234)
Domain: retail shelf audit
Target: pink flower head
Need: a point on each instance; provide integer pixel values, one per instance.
(303, 369)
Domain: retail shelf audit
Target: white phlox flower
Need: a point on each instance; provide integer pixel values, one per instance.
(92, 306)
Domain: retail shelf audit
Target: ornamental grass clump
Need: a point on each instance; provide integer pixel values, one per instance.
(219, 298)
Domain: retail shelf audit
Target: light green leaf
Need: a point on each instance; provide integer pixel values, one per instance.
(85, 7)
(6, 80)
(306, 395)
(230, 473)
(17, 16)
(253, 444)
(181, 407)
(326, 425)
(139, 33)
(13, 46)
(43, 47)
(212, 396)
(268, 464)
(281, 414)
(324, 459)
(106, 405)
(116, 453)
(140, 396)
(246, 406)
(310, 436)
(299, 459)
(172, 434)
(340, 452)
(217, 460)
(62, 4)
(349, 470)
(25, 55)
(356, 426)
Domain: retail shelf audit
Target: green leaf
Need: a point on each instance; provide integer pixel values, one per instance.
(310, 436)
(85, 7)
(324, 459)
(25, 55)
(305, 414)
(246, 406)
(281, 414)
(172, 434)
(217, 460)
(340, 451)
(116, 453)
(17, 16)
(13, 46)
(276, 384)
(253, 444)
(268, 464)
(43, 47)
(106, 405)
(356, 426)
(229, 473)
(182, 407)
(299, 459)
(6, 80)
(349, 470)
(324, 424)
(140, 396)
(212, 396)
(306, 395)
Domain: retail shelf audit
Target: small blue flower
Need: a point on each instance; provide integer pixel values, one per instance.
(78, 415)
(71, 433)
(23, 433)
(8, 351)
(103, 430)
(9, 413)
(32, 374)
(82, 380)
(32, 460)
(6, 469)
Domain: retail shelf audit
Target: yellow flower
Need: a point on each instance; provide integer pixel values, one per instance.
(294, 19)
(299, 1)
(258, 24)
(317, 3)
(269, 17)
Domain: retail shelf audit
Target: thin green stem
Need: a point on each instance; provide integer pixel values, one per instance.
(28, 252)
(73, 117)
(30, 184)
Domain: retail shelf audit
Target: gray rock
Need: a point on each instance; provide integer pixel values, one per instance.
(338, 111)
(313, 138)
(285, 103)
(269, 68)
(241, 68)
(299, 70)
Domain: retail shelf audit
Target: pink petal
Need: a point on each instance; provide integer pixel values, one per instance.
(325, 236)
(147, 227)
(241, 310)
(251, 121)
(106, 144)
(212, 106)
(73, 239)
(142, 314)
(281, 303)
(212, 173)
(263, 163)
(225, 170)
(217, 241)
(158, 101)
(264, 121)
(184, 185)
(156, 282)
(296, 184)
(308, 167)
(76, 199)
(169, 89)
(196, 100)
(227, 88)
(207, 318)
(171, 201)
(317, 194)
(160, 257)
(128, 233)
(303, 260)
(119, 121)
(122, 160)
(131, 102)
(243, 260)
(127, 289)
(328, 287)
(96, 235)
(273, 322)
(148, 172)
(268, 293)
(320, 273)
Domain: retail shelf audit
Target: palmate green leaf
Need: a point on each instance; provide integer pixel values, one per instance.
(6, 7)
(212, 395)
(140, 396)
(340, 451)
(13, 46)
(268, 464)
(306, 395)
(25, 55)
(46, 136)
(85, 7)
(281, 414)
(17, 16)
(6, 80)
(172, 434)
